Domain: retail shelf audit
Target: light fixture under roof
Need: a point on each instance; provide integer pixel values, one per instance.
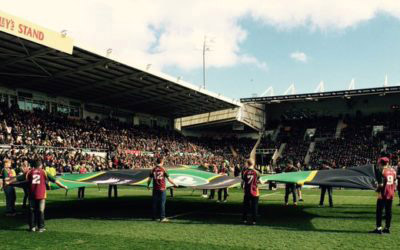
(64, 33)
(108, 52)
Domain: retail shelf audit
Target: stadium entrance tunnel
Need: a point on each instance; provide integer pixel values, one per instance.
(243, 120)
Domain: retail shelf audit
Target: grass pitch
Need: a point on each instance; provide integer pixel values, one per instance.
(197, 223)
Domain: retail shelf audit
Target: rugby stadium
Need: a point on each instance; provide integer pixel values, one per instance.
(118, 137)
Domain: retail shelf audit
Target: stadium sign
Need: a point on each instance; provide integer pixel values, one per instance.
(35, 33)
(133, 152)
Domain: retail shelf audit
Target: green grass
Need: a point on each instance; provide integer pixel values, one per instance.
(123, 223)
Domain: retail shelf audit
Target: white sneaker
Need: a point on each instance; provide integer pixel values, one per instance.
(204, 196)
(32, 229)
(164, 220)
(42, 230)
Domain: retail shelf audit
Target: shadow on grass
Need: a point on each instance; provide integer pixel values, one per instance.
(183, 210)
(192, 211)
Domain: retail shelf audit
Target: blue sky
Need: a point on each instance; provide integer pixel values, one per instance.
(366, 52)
(257, 43)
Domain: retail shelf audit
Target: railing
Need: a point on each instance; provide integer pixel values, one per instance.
(95, 150)
(19, 146)
(266, 151)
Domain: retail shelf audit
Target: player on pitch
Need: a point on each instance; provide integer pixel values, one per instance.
(158, 175)
(250, 181)
(9, 191)
(398, 178)
(386, 177)
(37, 180)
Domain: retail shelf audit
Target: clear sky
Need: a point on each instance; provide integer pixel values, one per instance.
(254, 44)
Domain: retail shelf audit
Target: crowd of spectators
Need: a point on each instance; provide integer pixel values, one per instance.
(293, 134)
(95, 145)
(356, 145)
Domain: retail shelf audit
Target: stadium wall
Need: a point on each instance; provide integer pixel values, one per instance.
(150, 120)
(218, 135)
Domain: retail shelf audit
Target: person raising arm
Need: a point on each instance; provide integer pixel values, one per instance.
(250, 181)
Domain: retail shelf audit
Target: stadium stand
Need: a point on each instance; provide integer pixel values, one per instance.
(77, 109)
(73, 106)
(71, 144)
(345, 128)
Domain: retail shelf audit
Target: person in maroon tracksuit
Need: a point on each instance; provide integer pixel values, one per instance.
(36, 180)
(158, 175)
(398, 179)
(250, 181)
(386, 177)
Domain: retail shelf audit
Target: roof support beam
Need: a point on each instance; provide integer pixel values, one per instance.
(128, 92)
(22, 75)
(69, 72)
(27, 57)
(80, 69)
(102, 83)
(147, 100)
(192, 104)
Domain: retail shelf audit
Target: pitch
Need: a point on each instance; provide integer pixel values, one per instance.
(196, 223)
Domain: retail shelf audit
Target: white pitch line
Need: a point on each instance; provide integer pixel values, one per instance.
(183, 214)
(350, 196)
(229, 214)
(265, 195)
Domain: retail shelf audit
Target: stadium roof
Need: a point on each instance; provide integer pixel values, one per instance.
(92, 78)
(322, 95)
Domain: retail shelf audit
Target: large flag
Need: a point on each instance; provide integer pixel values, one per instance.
(358, 177)
(186, 177)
